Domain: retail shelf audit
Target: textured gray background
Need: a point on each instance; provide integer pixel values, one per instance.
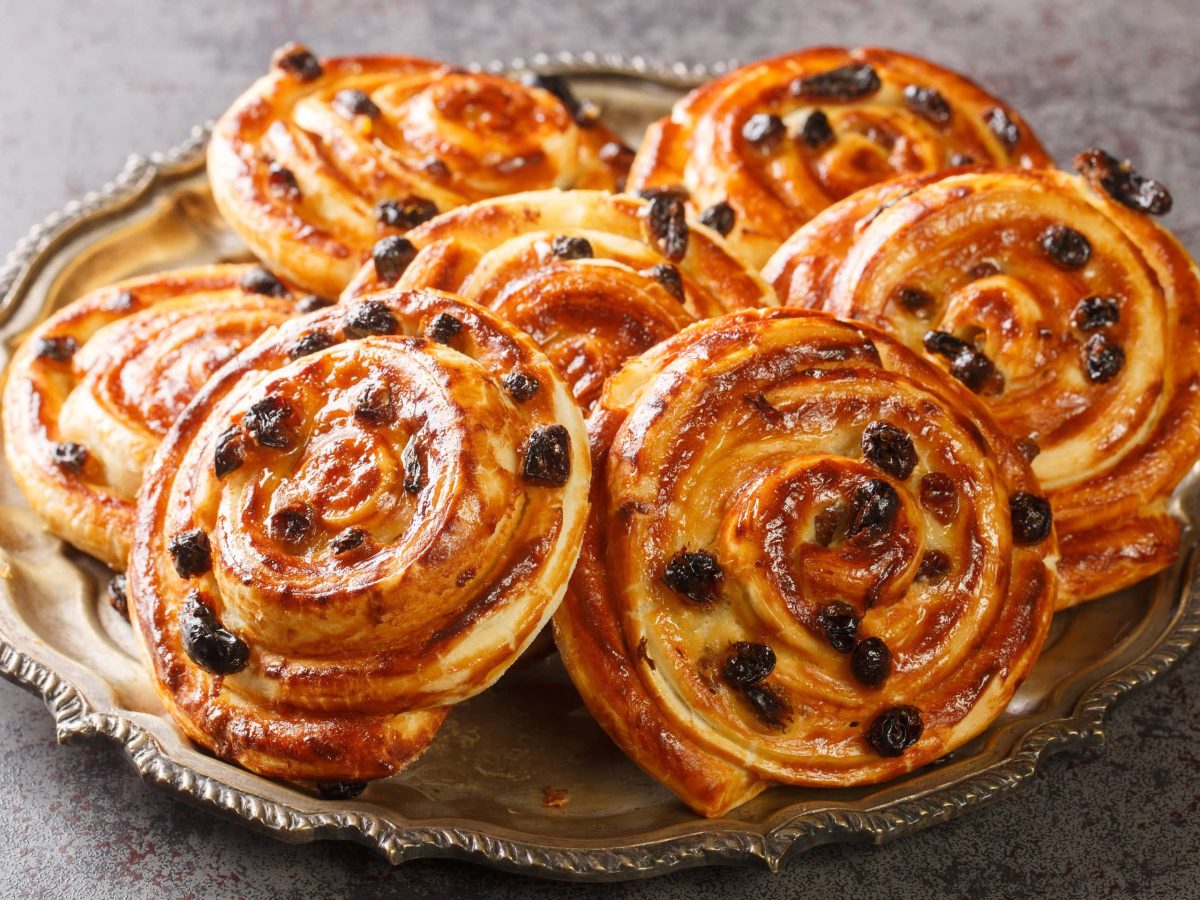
(82, 84)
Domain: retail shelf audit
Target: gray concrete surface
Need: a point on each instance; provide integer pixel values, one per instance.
(83, 83)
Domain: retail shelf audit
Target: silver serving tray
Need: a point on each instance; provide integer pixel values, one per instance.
(477, 794)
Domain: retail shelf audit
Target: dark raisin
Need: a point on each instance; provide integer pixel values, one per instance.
(117, 597)
(349, 103)
(191, 552)
(666, 220)
(548, 456)
(291, 524)
(934, 566)
(407, 213)
(668, 276)
(764, 132)
(311, 302)
(1028, 448)
(874, 507)
(967, 364)
(70, 456)
(816, 131)
(311, 342)
(871, 662)
(347, 540)
(961, 159)
(1120, 181)
(944, 344)
(370, 317)
(583, 112)
(928, 103)
(374, 403)
(669, 191)
(299, 62)
(748, 663)
(1031, 517)
(340, 790)
(916, 301)
(840, 624)
(1065, 246)
(616, 155)
(828, 523)
(230, 452)
(59, 349)
(851, 82)
(259, 281)
(392, 256)
(414, 469)
(694, 574)
(890, 448)
(984, 269)
(266, 422)
(1092, 313)
(939, 496)
(443, 327)
(568, 247)
(208, 644)
(719, 217)
(1003, 126)
(769, 704)
(895, 730)
(435, 167)
(282, 182)
(1102, 359)
(520, 385)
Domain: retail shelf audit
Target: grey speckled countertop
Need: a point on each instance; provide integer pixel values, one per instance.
(83, 84)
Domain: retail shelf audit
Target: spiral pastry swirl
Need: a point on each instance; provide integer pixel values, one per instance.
(768, 146)
(1067, 309)
(811, 559)
(319, 159)
(363, 519)
(94, 388)
(585, 273)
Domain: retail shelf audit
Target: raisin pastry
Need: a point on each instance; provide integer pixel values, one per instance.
(763, 149)
(812, 559)
(95, 386)
(1060, 301)
(594, 277)
(319, 159)
(362, 520)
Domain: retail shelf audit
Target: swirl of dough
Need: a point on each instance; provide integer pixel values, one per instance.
(812, 559)
(319, 159)
(95, 386)
(581, 272)
(779, 140)
(1073, 315)
(358, 523)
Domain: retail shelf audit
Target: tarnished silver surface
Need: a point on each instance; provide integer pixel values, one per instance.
(477, 794)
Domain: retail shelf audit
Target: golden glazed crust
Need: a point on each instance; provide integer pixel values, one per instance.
(299, 163)
(1097, 350)
(580, 272)
(743, 438)
(94, 387)
(867, 130)
(381, 524)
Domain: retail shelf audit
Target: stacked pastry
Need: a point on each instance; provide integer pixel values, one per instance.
(818, 545)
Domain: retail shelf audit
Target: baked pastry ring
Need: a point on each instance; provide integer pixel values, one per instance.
(583, 272)
(95, 386)
(811, 559)
(362, 520)
(319, 159)
(766, 147)
(1073, 313)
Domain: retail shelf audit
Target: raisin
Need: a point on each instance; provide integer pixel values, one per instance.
(1120, 181)
(871, 662)
(374, 403)
(407, 213)
(259, 281)
(583, 113)
(230, 452)
(347, 540)
(967, 364)
(414, 469)
(208, 644)
(370, 317)
(748, 663)
(840, 624)
(666, 220)
(816, 131)
(1003, 126)
(1102, 359)
(282, 182)
(764, 132)
(568, 247)
(828, 523)
(1092, 313)
(944, 344)
(934, 566)
(668, 276)
(928, 103)
(191, 552)
(939, 496)
(349, 103)
(695, 575)
(874, 507)
(266, 422)
(299, 62)
(311, 302)
(961, 159)
(1028, 448)
(548, 456)
(59, 349)
(340, 790)
(291, 524)
(520, 385)
(435, 167)
(895, 730)
(311, 342)
(1031, 517)
(916, 301)
(117, 597)
(890, 448)
(769, 704)
(852, 82)
(392, 256)
(70, 456)
(1065, 246)
(984, 269)
(719, 217)
(443, 327)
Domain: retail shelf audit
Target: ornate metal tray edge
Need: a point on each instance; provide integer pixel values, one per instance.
(723, 843)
